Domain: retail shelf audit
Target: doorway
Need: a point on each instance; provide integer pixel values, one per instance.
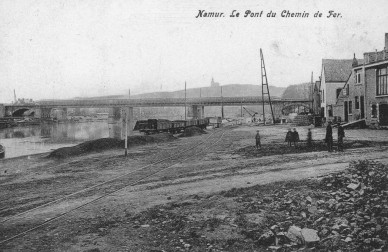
(383, 114)
(346, 111)
(362, 107)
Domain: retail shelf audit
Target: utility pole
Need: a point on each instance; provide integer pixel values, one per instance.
(312, 93)
(264, 82)
(126, 125)
(222, 105)
(126, 132)
(185, 100)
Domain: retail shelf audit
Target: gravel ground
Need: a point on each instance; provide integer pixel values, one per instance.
(128, 221)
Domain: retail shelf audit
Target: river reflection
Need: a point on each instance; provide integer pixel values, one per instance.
(27, 140)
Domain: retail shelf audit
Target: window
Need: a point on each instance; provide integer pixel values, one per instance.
(357, 103)
(323, 95)
(350, 107)
(381, 82)
(338, 92)
(358, 77)
(330, 110)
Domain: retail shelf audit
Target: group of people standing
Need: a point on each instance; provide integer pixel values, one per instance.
(329, 137)
(293, 137)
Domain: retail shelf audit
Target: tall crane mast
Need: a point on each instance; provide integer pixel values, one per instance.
(264, 82)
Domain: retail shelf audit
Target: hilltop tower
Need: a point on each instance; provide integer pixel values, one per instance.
(214, 84)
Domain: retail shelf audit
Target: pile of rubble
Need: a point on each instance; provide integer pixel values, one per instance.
(107, 144)
(348, 211)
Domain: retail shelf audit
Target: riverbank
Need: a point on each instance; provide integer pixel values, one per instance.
(29, 140)
(103, 144)
(191, 188)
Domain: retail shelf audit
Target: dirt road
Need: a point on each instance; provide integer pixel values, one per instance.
(107, 224)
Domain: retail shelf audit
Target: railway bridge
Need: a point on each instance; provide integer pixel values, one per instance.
(119, 107)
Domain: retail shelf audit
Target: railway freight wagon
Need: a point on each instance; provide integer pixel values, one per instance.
(177, 126)
(214, 121)
(152, 126)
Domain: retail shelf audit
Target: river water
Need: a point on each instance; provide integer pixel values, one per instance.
(27, 140)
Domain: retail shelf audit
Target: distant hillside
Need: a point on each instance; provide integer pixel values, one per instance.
(232, 90)
(298, 91)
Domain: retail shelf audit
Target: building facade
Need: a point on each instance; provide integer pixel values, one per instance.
(365, 93)
(334, 76)
(350, 105)
(374, 75)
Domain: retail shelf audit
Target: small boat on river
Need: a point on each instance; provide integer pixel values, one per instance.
(2, 151)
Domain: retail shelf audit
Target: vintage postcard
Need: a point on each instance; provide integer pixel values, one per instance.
(131, 125)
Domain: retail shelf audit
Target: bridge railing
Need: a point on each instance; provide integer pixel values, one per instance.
(157, 102)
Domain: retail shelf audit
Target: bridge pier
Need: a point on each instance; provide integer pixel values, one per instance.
(63, 115)
(45, 112)
(38, 113)
(8, 111)
(117, 122)
(130, 122)
(197, 111)
(77, 111)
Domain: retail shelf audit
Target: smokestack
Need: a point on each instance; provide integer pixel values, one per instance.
(386, 41)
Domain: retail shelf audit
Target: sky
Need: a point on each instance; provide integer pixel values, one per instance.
(58, 49)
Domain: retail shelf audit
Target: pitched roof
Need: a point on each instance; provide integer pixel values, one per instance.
(338, 70)
(350, 81)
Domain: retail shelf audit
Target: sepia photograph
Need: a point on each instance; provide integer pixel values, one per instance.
(193, 125)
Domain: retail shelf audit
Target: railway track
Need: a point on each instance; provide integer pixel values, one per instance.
(70, 203)
(159, 157)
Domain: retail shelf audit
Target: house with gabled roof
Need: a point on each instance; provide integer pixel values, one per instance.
(350, 104)
(334, 75)
(365, 94)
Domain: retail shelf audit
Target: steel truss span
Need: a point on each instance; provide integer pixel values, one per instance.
(158, 102)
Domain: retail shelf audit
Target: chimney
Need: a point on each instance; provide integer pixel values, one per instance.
(386, 41)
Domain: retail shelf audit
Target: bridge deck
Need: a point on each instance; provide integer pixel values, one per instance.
(158, 102)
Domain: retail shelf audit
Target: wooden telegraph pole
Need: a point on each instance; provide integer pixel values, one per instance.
(222, 105)
(126, 125)
(185, 100)
(312, 93)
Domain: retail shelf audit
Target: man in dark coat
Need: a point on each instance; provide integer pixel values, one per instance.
(309, 138)
(295, 137)
(258, 143)
(341, 135)
(329, 137)
(289, 137)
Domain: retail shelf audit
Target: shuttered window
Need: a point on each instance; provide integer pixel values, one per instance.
(382, 82)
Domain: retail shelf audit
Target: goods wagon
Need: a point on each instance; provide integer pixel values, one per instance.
(152, 126)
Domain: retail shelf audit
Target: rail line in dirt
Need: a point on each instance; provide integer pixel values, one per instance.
(160, 157)
(102, 190)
